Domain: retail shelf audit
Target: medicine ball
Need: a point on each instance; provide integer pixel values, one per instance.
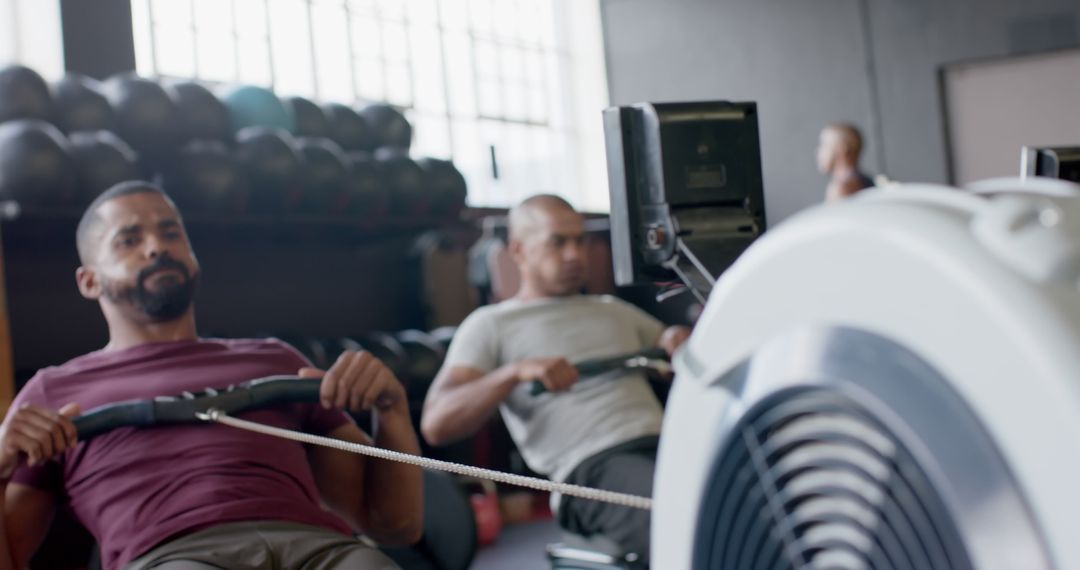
(81, 106)
(272, 165)
(102, 160)
(205, 177)
(35, 168)
(23, 95)
(364, 192)
(446, 185)
(389, 127)
(328, 350)
(310, 348)
(423, 357)
(324, 172)
(348, 128)
(405, 182)
(146, 118)
(202, 115)
(251, 106)
(307, 117)
(379, 344)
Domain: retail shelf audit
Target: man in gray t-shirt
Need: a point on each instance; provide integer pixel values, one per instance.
(598, 431)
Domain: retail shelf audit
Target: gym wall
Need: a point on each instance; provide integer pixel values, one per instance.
(810, 63)
(98, 38)
(996, 106)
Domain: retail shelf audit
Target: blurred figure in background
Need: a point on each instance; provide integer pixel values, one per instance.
(599, 431)
(839, 148)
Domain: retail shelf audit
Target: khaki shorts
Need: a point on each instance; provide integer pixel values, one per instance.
(263, 546)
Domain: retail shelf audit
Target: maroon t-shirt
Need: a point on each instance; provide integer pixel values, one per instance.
(135, 488)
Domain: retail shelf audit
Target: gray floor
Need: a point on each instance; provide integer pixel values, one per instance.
(519, 547)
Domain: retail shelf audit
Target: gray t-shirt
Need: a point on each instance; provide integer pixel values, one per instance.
(555, 432)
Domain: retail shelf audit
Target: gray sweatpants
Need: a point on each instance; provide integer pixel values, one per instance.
(626, 468)
(268, 545)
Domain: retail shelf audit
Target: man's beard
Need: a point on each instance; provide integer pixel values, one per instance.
(167, 302)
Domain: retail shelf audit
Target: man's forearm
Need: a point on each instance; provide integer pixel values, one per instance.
(393, 491)
(456, 411)
(6, 561)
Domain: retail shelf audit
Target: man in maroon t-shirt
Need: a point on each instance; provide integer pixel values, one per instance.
(196, 496)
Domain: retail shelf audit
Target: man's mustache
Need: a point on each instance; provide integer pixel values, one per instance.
(160, 264)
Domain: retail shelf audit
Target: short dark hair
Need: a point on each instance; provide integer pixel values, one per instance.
(90, 218)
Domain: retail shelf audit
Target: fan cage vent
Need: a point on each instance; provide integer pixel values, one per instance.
(810, 479)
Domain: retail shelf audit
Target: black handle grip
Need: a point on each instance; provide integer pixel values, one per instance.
(254, 394)
(282, 389)
(599, 366)
(106, 418)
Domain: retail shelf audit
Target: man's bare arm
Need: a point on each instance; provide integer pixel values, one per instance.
(29, 434)
(461, 398)
(28, 512)
(383, 499)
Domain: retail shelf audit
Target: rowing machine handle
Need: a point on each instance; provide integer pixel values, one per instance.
(596, 366)
(181, 409)
(108, 417)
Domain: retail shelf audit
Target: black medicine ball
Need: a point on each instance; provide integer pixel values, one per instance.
(81, 106)
(35, 168)
(23, 95)
(102, 160)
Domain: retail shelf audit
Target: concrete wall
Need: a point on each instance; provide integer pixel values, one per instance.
(98, 39)
(871, 62)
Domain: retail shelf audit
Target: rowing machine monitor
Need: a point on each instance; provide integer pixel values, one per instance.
(1057, 162)
(686, 190)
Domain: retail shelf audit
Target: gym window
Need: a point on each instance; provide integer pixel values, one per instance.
(30, 34)
(511, 90)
